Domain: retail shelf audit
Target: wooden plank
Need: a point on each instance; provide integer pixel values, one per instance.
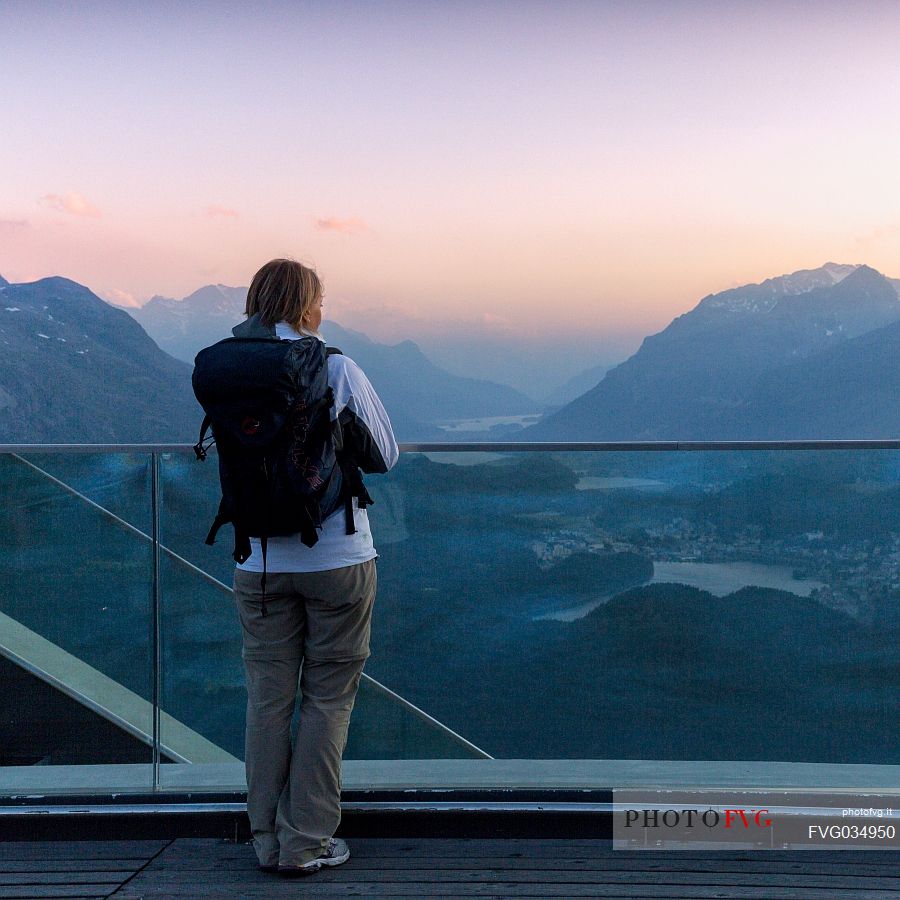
(138, 850)
(201, 865)
(35, 891)
(322, 886)
(560, 874)
(471, 848)
(346, 873)
(513, 844)
(711, 862)
(103, 896)
(113, 878)
(69, 865)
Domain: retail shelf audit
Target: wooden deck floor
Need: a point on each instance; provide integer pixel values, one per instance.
(438, 867)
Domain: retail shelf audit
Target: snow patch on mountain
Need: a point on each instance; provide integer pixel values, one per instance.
(763, 297)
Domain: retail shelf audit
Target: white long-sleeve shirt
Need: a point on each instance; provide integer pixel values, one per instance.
(363, 415)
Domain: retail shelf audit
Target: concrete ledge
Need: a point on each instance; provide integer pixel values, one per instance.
(465, 774)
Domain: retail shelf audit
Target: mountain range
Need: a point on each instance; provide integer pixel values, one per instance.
(803, 356)
(184, 327)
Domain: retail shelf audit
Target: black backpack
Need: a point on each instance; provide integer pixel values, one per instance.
(283, 466)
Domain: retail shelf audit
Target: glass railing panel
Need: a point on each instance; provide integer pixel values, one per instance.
(117, 481)
(680, 607)
(202, 675)
(714, 605)
(76, 634)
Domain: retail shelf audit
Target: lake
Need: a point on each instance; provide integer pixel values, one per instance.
(601, 483)
(463, 457)
(717, 578)
(486, 422)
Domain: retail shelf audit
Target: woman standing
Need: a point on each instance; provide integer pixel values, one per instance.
(318, 610)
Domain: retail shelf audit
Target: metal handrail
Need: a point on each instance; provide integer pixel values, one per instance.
(506, 446)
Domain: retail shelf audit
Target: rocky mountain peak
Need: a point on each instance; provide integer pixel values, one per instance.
(702, 376)
(762, 297)
(869, 281)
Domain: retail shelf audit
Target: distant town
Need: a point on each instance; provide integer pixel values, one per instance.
(854, 577)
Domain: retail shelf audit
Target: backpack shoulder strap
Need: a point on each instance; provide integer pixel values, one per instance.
(330, 350)
(199, 447)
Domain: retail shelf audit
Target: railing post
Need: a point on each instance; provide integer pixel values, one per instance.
(155, 615)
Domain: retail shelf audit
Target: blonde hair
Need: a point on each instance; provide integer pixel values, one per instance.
(283, 291)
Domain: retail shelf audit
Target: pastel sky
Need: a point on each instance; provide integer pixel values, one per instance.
(584, 169)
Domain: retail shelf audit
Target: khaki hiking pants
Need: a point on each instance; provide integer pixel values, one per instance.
(322, 620)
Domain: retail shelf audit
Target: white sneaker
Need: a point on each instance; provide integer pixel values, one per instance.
(338, 852)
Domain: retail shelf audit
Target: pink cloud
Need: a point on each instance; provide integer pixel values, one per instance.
(343, 226)
(73, 203)
(11, 226)
(121, 298)
(221, 212)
